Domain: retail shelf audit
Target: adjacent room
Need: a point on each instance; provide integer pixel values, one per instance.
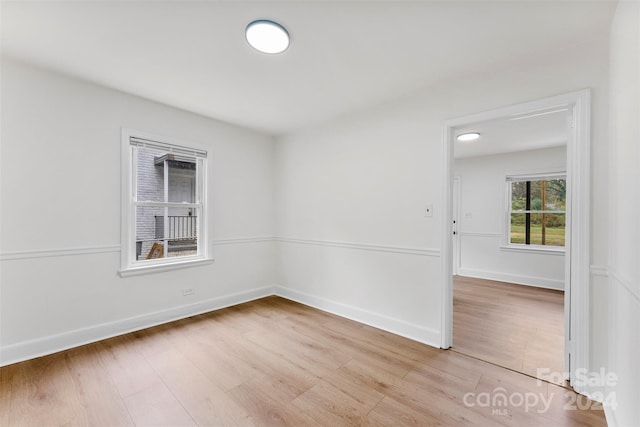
(243, 213)
(509, 216)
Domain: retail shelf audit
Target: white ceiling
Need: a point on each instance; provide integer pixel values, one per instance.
(529, 132)
(344, 55)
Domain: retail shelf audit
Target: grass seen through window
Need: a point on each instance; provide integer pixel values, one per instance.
(537, 211)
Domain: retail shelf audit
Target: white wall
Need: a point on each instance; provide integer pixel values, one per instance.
(482, 194)
(365, 180)
(624, 268)
(60, 186)
(350, 197)
(350, 185)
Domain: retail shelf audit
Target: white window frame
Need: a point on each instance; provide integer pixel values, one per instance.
(131, 139)
(506, 229)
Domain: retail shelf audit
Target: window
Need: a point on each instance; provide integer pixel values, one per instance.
(164, 206)
(536, 210)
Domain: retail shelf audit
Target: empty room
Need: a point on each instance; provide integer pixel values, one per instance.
(509, 263)
(262, 213)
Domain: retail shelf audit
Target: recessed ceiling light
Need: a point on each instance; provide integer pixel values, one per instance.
(469, 136)
(267, 36)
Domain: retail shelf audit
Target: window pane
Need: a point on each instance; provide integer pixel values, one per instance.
(545, 195)
(556, 195)
(146, 230)
(547, 229)
(552, 191)
(182, 182)
(536, 195)
(150, 176)
(518, 196)
(166, 232)
(552, 234)
(517, 234)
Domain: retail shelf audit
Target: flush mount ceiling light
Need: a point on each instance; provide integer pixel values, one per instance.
(267, 36)
(469, 136)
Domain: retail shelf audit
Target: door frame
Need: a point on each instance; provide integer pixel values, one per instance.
(577, 253)
(455, 215)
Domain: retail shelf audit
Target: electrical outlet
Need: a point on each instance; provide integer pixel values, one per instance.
(188, 291)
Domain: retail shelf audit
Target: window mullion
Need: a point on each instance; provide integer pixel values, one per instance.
(151, 203)
(165, 233)
(533, 211)
(134, 175)
(527, 220)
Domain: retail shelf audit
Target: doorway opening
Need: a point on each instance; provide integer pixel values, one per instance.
(575, 268)
(509, 219)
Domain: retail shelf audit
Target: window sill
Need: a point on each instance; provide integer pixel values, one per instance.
(555, 250)
(158, 268)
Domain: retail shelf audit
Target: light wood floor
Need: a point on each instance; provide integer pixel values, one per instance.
(271, 362)
(515, 326)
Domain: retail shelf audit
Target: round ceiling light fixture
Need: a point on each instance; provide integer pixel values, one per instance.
(267, 36)
(468, 136)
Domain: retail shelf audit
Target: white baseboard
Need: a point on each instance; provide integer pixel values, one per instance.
(31, 349)
(610, 416)
(539, 282)
(396, 326)
(52, 344)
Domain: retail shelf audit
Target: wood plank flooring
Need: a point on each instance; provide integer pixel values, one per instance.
(515, 326)
(273, 362)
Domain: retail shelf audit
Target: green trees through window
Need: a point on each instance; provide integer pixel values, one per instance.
(537, 210)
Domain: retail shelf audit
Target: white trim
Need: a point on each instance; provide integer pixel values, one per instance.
(534, 249)
(364, 247)
(31, 349)
(538, 176)
(578, 244)
(151, 142)
(538, 282)
(446, 262)
(183, 262)
(168, 204)
(242, 240)
(57, 252)
(128, 189)
(478, 234)
(456, 239)
(128, 264)
(599, 271)
(577, 260)
(625, 283)
(148, 139)
(610, 416)
(396, 326)
(25, 350)
(89, 250)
